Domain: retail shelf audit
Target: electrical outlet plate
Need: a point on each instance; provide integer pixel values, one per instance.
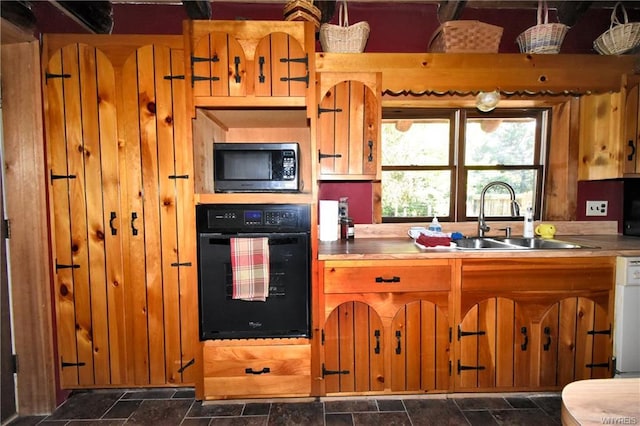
(597, 208)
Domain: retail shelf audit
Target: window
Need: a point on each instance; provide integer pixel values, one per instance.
(436, 162)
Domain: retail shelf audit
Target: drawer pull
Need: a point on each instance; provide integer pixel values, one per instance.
(523, 346)
(547, 345)
(252, 371)
(388, 280)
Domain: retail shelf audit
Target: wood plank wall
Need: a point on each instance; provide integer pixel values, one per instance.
(25, 191)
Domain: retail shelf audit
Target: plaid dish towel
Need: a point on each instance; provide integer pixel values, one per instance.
(250, 267)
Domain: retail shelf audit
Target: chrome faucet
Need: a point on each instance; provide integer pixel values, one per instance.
(515, 208)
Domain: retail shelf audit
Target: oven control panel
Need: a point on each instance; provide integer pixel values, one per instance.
(253, 218)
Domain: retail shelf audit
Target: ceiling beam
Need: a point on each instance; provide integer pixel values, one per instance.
(94, 16)
(197, 9)
(450, 10)
(569, 12)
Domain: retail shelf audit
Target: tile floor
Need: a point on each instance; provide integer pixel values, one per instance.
(160, 407)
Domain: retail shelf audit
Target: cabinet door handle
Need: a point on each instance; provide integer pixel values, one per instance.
(523, 346)
(547, 345)
(399, 340)
(114, 230)
(376, 333)
(236, 62)
(252, 371)
(388, 280)
(134, 230)
(261, 77)
(633, 150)
(370, 157)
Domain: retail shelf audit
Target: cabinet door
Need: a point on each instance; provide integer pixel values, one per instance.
(348, 129)
(218, 66)
(353, 349)
(419, 349)
(281, 67)
(631, 157)
(160, 295)
(83, 154)
(575, 342)
(494, 350)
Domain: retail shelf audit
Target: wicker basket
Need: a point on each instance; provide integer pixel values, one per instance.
(619, 38)
(544, 37)
(302, 10)
(344, 38)
(466, 37)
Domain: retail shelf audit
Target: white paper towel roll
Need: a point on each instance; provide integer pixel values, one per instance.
(328, 220)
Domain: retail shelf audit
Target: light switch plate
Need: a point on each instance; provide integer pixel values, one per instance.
(597, 208)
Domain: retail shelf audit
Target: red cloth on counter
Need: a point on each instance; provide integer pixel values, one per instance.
(429, 241)
(250, 268)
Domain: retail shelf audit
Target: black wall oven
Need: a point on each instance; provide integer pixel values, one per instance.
(286, 311)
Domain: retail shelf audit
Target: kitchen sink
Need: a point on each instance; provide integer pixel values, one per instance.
(514, 243)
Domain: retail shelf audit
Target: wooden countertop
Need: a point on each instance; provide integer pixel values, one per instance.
(404, 248)
(601, 401)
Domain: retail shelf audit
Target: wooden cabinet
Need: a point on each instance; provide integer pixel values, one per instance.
(349, 116)
(631, 137)
(258, 59)
(534, 323)
(261, 370)
(386, 326)
(600, 153)
(121, 197)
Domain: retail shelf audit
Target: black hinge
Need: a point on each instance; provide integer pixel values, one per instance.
(49, 75)
(594, 332)
(195, 59)
(598, 365)
(6, 229)
(323, 110)
(178, 176)
(304, 79)
(469, 367)
(60, 266)
(321, 156)
(304, 60)
(181, 264)
(187, 365)
(174, 77)
(469, 333)
(326, 372)
(14, 363)
(72, 364)
(195, 78)
(55, 177)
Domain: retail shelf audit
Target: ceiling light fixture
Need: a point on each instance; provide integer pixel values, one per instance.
(487, 101)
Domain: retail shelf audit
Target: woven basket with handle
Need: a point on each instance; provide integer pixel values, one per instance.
(466, 37)
(344, 38)
(620, 37)
(544, 37)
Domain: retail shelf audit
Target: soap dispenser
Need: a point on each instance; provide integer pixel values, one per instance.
(528, 223)
(435, 225)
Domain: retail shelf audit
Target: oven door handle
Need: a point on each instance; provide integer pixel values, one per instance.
(273, 240)
(252, 371)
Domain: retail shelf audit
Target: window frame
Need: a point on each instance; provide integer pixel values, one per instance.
(459, 171)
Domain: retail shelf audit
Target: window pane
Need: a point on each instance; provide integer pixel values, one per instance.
(497, 200)
(508, 141)
(410, 142)
(416, 193)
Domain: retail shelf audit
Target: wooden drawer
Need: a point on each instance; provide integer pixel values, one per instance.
(269, 370)
(386, 277)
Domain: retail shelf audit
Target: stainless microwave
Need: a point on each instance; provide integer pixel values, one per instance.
(256, 167)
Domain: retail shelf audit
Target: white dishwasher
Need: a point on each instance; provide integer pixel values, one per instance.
(626, 337)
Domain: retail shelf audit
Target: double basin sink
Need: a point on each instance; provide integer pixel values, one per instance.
(514, 243)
